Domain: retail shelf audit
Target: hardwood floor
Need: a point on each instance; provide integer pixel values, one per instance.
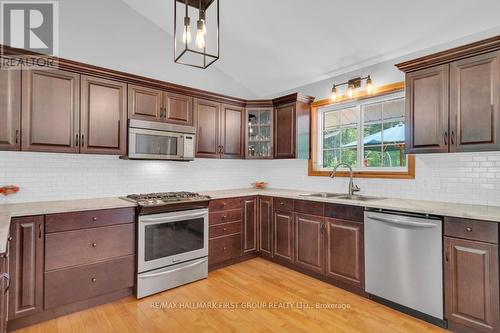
(258, 282)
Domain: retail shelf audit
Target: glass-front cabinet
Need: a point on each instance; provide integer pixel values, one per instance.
(259, 133)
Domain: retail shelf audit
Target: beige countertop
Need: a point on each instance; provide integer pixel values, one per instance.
(7, 211)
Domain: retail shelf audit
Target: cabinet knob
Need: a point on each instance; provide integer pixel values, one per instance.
(94, 219)
(94, 280)
(225, 248)
(94, 244)
(469, 229)
(224, 204)
(224, 217)
(224, 229)
(282, 203)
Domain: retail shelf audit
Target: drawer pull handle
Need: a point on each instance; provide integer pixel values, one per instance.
(94, 280)
(224, 229)
(94, 219)
(94, 244)
(224, 204)
(469, 229)
(282, 203)
(224, 217)
(225, 248)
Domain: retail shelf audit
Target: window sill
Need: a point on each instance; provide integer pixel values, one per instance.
(409, 174)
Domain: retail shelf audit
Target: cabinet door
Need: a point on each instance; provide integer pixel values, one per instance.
(427, 110)
(283, 236)
(250, 225)
(474, 103)
(232, 131)
(50, 111)
(471, 285)
(144, 103)
(103, 116)
(178, 109)
(284, 131)
(345, 251)
(309, 239)
(266, 226)
(207, 120)
(4, 290)
(10, 109)
(26, 266)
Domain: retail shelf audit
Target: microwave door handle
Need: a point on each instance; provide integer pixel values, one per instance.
(172, 218)
(402, 223)
(196, 263)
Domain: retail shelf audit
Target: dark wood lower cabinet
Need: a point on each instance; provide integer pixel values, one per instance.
(26, 266)
(283, 236)
(250, 225)
(345, 251)
(309, 242)
(266, 226)
(471, 286)
(4, 289)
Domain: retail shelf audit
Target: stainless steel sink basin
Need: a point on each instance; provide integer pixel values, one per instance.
(322, 195)
(358, 198)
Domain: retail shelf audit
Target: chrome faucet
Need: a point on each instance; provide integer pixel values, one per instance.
(352, 188)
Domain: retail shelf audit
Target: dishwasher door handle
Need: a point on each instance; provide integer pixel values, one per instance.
(403, 223)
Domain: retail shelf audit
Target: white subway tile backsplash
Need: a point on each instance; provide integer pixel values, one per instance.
(466, 177)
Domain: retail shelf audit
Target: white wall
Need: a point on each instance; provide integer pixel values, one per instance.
(466, 178)
(110, 34)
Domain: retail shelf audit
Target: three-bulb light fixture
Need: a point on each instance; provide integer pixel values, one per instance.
(201, 54)
(351, 85)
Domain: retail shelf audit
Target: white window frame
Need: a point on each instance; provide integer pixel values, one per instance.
(360, 149)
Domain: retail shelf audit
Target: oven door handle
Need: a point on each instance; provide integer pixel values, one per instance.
(196, 263)
(172, 218)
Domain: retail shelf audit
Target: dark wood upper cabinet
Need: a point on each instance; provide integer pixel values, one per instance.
(178, 109)
(50, 97)
(291, 126)
(309, 239)
(427, 110)
(471, 286)
(283, 236)
(266, 225)
(26, 266)
(345, 251)
(474, 103)
(103, 116)
(145, 103)
(250, 225)
(207, 122)
(231, 126)
(284, 131)
(10, 109)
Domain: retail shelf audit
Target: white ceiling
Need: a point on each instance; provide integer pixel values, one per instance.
(273, 46)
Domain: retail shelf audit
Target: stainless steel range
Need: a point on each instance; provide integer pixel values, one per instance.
(172, 240)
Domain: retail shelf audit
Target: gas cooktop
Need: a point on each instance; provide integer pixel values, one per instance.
(168, 201)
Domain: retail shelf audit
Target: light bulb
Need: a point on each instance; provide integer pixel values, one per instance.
(334, 93)
(369, 85)
(349, 91)
(186, 34)
(200, 35)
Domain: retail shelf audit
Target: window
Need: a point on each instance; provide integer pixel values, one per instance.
(368, 134)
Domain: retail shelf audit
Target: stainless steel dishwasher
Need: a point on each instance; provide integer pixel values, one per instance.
(404, 264)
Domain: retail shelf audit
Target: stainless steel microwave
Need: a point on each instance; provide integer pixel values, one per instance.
(160, 141)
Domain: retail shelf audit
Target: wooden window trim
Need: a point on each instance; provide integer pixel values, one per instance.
(379, 91)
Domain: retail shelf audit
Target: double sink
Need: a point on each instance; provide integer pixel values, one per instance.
(342, 196)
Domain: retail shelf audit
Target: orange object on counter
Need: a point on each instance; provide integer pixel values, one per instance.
(10, 189)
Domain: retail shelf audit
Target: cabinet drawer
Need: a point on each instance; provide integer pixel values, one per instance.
(71, 248)
(471, 229)
(309, 207)
(225, 229)
(344, 212)
(224, 248)
(71, 285)
(88, 219)
(225, 216)
(225, 204)
(283, 204)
